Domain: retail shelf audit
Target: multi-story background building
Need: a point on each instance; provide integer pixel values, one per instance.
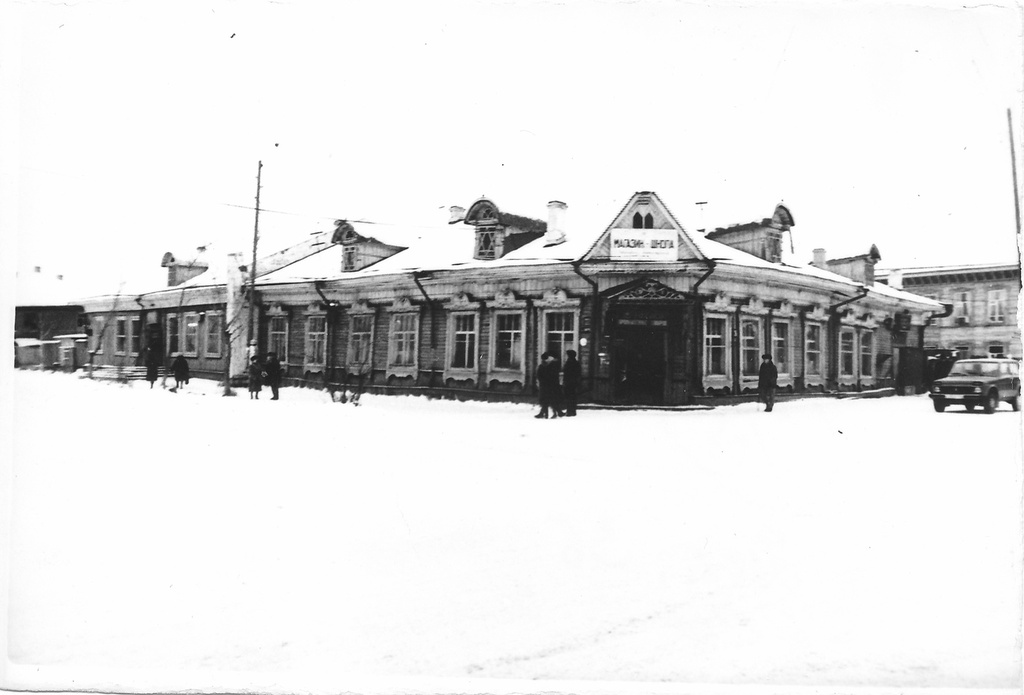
(983, 300)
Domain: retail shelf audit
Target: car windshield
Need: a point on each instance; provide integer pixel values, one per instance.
(975, 369)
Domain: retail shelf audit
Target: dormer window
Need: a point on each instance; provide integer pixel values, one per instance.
(350, 257)
(487, 241)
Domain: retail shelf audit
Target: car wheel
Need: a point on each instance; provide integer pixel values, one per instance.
(991, 402)
(1015, 402)
(939, 406)
(970, 407)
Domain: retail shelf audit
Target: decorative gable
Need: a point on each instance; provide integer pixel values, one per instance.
(645, 290)
(645, 231)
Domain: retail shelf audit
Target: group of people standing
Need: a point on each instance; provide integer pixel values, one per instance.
(268, 373)
(179, 367)
(557, 397)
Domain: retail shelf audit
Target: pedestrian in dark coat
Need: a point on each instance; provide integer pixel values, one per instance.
(152, 364)
(547, 382)
(767, 380)
(273, 371)
(570, 382)
(255, 378)
(180, 369)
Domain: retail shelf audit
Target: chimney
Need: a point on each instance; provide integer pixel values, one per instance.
(819, 259)
(457, 214)
(896, 279)
(555, 233)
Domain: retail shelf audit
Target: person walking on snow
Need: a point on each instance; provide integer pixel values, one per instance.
(256, 375)
(180, 369)
(767, 380)
(152, 363)
(272, 370)
(570, 382)
(547, 381)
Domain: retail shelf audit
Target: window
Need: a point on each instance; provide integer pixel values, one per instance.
(350, 260)
(780, 346)
(486, 244)
(172, 334)
(403, 340)
(962, 351)
(214, 328)
(714, 347)
(846, 353)
(814, 349)
(750, 347)
(962, 308)
(648, 221)
(995, 350)
(316, 339)
(360, 340)
(191, 335)
(638, 221)
(136, 335)
(278, 337)
(464, 341)
(121, 336)
(867, 354)
(560, 332)
(997, 306)
(508, 341)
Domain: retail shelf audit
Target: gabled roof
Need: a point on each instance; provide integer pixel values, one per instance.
(686, 248)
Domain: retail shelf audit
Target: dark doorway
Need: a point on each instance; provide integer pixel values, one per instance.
(639, 358)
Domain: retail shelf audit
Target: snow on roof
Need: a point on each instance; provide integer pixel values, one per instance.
(429, 249)
(35, 288)
(722, 253)
(947, 269)
(449, 247)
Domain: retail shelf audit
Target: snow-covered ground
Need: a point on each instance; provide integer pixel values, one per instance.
(166, 540)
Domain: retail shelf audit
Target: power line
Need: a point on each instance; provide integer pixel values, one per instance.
(322, 217)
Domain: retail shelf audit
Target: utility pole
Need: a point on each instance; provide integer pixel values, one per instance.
(1013, 162)
(252, 269)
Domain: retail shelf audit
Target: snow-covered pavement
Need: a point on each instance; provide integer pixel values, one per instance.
(854, 542)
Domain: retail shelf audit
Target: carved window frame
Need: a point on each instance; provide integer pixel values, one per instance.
(403, 309)
(275, 314)
(361, 311)
(557, 301)
(459, 307)
(717, 380)
(314, 313)
(505, 303)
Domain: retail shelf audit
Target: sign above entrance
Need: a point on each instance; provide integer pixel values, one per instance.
(644, 245)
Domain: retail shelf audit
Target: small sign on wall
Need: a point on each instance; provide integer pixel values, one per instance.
(644, 245)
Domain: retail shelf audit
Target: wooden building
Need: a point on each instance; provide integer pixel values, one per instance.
(658, 314)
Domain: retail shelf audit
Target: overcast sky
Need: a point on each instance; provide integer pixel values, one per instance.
(131, 129)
